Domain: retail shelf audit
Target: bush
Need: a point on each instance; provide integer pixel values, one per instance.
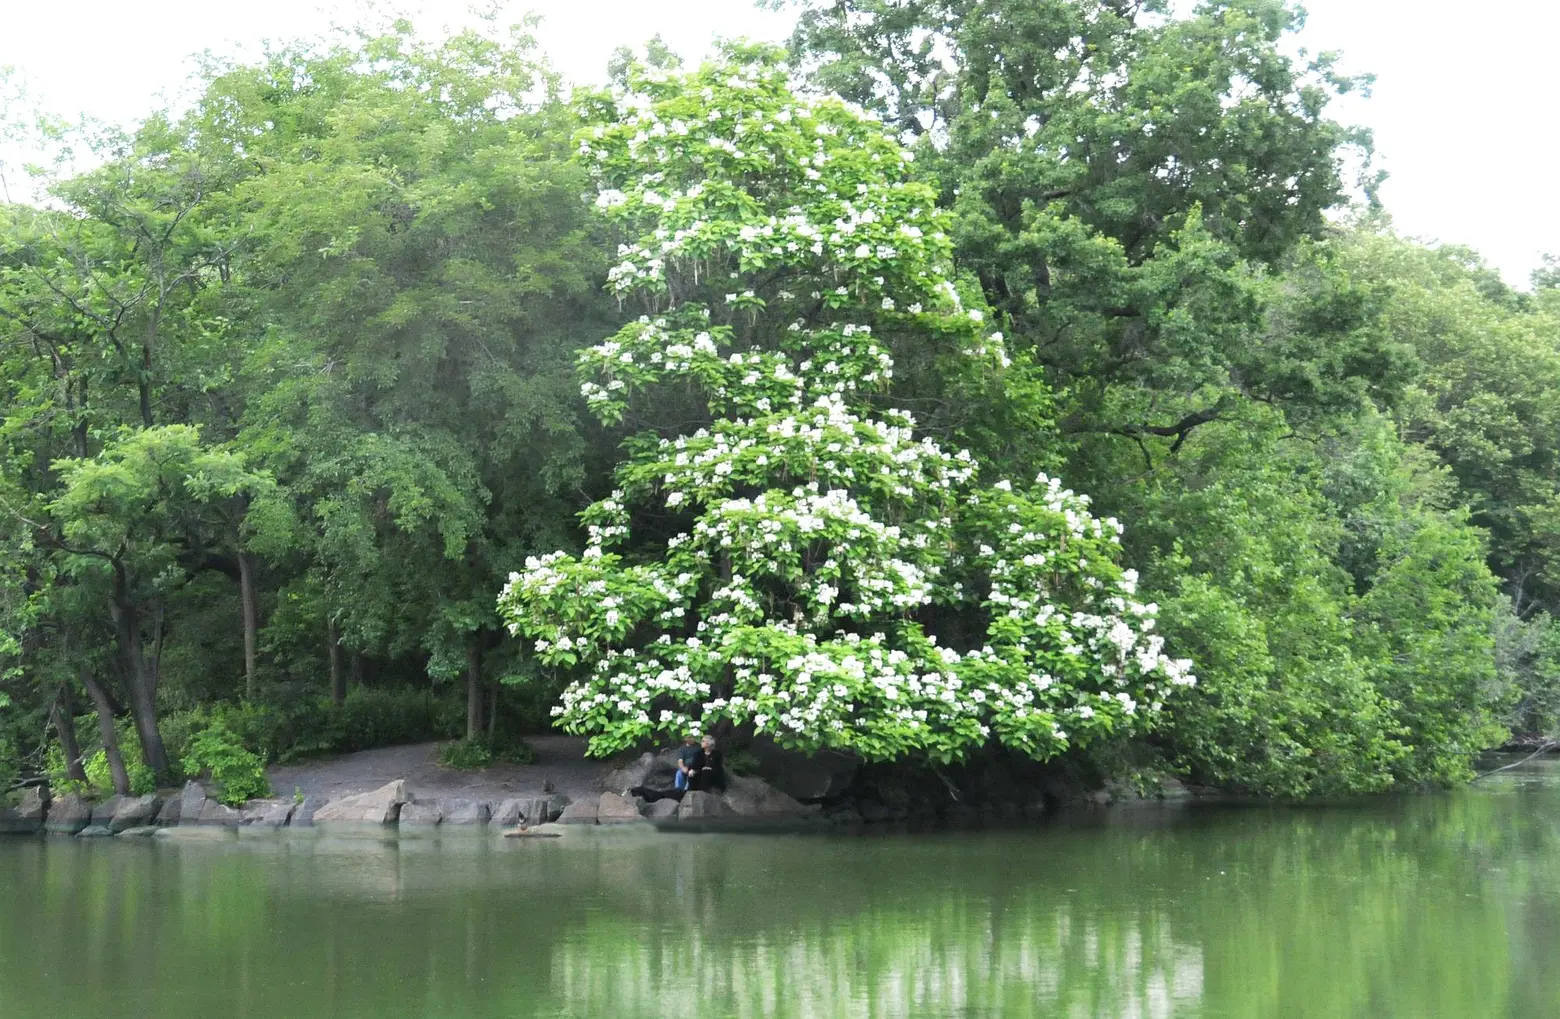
(468, 754)
(311, 726)
(100, 781)
(238, 773)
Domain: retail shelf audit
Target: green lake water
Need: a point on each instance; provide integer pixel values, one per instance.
(1435, 905)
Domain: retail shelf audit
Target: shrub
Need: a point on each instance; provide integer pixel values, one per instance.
(467, 754)
(94, 762)
(239, 773)
(310, 726)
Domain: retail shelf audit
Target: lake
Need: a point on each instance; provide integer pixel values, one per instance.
(1434, 905)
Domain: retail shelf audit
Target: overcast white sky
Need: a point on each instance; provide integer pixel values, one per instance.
(1464, 110)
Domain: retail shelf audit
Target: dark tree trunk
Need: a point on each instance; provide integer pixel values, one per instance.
(357, 668)
(110, 736)
(473, 690)
(338, 676)
(140, 681)
(492, 718)
(64, 718)
(246, 588)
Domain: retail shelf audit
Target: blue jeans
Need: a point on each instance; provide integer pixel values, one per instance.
(681, 781)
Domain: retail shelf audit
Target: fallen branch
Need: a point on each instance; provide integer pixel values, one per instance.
(1547, 746)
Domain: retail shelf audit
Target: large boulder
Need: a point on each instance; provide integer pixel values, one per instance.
(195, 807)
(820, 776)
(661, 810)
(507, 813)
(95, 831)
(529, 812)
(103, 810)
(303, 813)
(653, 770)
(544, 809)
(32, 806)
(752, 797)
(267, 813)
(699, 804)
(382, 806)
(582, 812)
(133, 812)
(612, 808)
(172, 807)
(420, 814)
(68, 815)
(466, 811)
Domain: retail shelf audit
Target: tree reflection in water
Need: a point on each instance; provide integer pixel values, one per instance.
(1439, 905)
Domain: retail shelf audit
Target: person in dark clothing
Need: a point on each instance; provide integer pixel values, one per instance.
(685, 759)
(709, 768)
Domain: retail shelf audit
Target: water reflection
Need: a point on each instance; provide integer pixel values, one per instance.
(888, 967)
(1433, 906)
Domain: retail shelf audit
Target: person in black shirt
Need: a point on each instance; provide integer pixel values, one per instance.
(709, 768)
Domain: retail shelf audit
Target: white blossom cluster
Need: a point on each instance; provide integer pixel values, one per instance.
(816, 544)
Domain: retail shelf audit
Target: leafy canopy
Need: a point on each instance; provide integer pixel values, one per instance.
(804, 564)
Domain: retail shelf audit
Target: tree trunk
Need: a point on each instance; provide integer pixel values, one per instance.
(110, 735)
(473, 690)
(64, 717)
(246, 588)
(338, 677)
(140, 680)
(492, 718)
(357, 668)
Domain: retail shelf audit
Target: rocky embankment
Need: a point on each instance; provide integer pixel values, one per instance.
(561, 788)
(405, 788)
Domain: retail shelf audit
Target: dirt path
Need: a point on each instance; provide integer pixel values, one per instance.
(560, 760)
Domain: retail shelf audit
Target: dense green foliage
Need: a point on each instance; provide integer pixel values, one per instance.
(290, 384)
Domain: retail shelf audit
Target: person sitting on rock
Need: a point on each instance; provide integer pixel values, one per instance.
(709, 768)
(685, 757)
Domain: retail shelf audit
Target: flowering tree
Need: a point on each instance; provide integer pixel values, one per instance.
(804, 564)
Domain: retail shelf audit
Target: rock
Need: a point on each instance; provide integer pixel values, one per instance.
(196, 808)
(612, 808)
(544, 809)
(95, 831)
(144, 831)
(508, 813)
(136, 812)
(303, 813)
(212, 812)
(583, 812)
(466, 812)
(267, 813)
(421, 814)
(191, 800)
(68, 815)
(753, 797)
(824, 775)
(657, 771)
(661, 810)
(874, 812)
(172, 807)
(699, 804)
(103, 811)
(28, 814)
(382, 806)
